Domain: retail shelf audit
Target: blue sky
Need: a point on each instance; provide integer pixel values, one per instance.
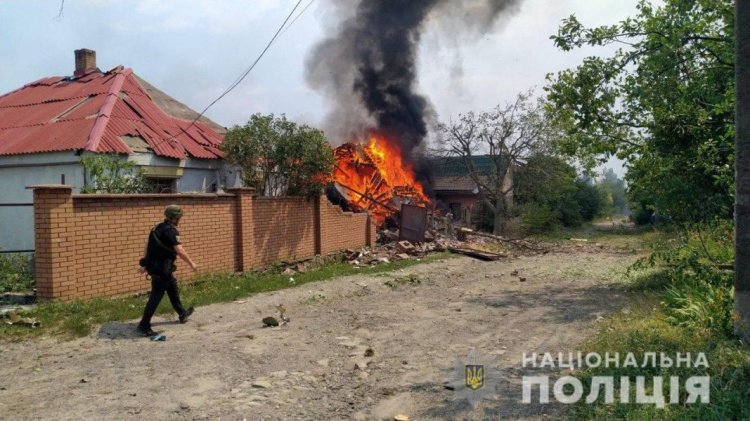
(193, 50)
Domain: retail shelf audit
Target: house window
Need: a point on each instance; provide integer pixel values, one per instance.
(163, 185)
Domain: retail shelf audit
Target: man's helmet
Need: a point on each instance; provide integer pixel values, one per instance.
(173, 211)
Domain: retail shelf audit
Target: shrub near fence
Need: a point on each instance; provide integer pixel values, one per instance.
(89, 245)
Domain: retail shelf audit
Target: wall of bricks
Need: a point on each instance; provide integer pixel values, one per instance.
(284, 229)
(89, 245)
(342, 230)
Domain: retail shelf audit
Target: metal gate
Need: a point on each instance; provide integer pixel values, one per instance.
(16, 227)
(413, 223)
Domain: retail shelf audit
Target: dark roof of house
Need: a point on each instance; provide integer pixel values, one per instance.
(455, 165)
(451, 174)
(455, 184)
(102, 112)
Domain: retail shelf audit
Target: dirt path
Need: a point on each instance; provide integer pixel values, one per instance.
(224, 365)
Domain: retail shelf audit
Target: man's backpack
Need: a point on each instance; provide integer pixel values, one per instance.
(156, 267)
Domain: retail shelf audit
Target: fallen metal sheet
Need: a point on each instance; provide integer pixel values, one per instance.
(413, 223)
(481, 255)
(15, 319)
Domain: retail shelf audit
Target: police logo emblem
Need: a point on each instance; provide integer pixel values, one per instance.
(474, 376)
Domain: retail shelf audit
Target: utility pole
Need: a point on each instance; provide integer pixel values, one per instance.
(742, 174)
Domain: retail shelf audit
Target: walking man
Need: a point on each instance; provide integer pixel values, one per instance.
(162, 248)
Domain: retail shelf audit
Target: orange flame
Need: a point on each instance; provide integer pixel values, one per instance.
(374, 177)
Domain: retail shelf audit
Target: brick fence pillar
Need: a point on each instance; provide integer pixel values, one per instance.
(54, 241)
(317, 240)
(370, 234)
(244, 227)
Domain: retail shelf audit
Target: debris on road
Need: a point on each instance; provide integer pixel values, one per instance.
(17, 298)
(281, 309)
(477, 254)
(361, 365)
(389, 249)
(270, 321)
(262, 384)
(405, 247)
(15, 319)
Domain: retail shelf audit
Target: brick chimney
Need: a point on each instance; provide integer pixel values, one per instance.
(85, 60)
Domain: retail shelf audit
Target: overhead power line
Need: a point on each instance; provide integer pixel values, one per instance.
(244, 74)
(295, 19)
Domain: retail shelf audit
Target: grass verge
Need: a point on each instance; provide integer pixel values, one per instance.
(629, 237)
(69, 320)
(647, 328)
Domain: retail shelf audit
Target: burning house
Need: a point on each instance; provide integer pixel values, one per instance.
(367, 69)
(373, 177)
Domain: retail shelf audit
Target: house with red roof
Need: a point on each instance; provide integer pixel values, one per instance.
(48, 124)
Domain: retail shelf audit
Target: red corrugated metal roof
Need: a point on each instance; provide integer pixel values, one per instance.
(93, 112)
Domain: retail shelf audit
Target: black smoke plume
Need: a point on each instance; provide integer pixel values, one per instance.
(367, 67)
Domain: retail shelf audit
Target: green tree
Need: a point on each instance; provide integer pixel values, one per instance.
(615, 197)
(279, 157)
(547, 183)
(506, 135)
(106, 173)
(589, 199)
(663, 102)
(548, 187)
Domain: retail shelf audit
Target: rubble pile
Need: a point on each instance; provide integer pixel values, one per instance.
(389, 248)
(479, 245)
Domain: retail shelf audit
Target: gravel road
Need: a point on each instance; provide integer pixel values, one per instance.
(416, 322)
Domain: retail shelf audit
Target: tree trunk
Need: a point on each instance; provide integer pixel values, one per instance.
(742, 175)
(500, 213)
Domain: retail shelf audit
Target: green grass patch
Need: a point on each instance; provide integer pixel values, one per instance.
(653, 326)
(631, 238)
(408, 280)
(78, 318)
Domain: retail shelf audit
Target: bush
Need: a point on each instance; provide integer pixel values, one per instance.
(701, 306)
(695, 316)
(641, 216)
(589, 200)
(569, 212)
(280, 157)
(537, 218)
(15, 273)
(698, 295)
(107, 173)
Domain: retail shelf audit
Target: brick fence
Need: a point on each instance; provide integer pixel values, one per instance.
(89, 245)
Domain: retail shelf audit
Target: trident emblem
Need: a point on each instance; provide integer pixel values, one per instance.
(475, 376)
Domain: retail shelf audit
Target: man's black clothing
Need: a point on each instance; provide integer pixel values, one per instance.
(159, 262)
(161, 242)
(159, 286)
